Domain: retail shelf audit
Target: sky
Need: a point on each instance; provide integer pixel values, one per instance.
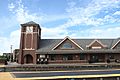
(58, 19)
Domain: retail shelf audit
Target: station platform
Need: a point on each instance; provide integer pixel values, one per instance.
(96, 71)
(62, 75)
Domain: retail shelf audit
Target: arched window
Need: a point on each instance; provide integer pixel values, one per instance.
(67, 45)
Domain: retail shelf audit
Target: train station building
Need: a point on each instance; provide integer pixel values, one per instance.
(34, 49)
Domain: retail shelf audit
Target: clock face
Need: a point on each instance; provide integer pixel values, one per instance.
(29, 29)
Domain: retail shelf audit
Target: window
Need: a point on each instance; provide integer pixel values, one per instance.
(70, 57)
(67, 57)
(52, 57)
(111, 56)
(23, 29)
(67, 46)
(82, 56)
(34, 29)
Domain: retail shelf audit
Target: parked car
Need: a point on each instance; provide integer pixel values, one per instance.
(117, 60)
(46, 61)
(42, 61)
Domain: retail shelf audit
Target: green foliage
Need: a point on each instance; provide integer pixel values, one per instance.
(3, 57)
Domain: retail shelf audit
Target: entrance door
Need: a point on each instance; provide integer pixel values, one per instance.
(28, 59)
(94, 58)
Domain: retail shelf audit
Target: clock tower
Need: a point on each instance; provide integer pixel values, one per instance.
(29, 42)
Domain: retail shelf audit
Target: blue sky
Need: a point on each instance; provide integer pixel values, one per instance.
(59, 18)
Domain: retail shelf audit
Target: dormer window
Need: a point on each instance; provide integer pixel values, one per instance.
(67, 43)
(67, 46)
(96, 44)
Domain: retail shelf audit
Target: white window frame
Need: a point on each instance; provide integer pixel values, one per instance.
(96, 47)
(42, 56)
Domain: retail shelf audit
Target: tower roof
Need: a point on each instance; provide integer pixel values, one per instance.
(29, 23)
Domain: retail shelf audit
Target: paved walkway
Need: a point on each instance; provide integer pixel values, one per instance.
(5, 76)
(2, 65)
(8, 76)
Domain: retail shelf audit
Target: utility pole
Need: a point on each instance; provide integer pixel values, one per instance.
(11, 53)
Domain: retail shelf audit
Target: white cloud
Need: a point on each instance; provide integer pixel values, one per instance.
(117, 13)
(6, 42)
(111, 32)
(11, 6)
(106, 33)
(15, 38)
(102, 33)
(89, 14)
(23, 14)
(57, 32)
(4, 45)
(51, 18)
(110, 19)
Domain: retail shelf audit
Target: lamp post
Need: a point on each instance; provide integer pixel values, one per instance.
(11, 53)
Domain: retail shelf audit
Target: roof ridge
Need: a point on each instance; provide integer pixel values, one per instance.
(30, 22)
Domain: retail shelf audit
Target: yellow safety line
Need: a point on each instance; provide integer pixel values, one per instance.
(78, 76)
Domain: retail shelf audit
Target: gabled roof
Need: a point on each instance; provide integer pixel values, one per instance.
(47, 45)
(118, 41)
(94, 42)
(66, 39)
